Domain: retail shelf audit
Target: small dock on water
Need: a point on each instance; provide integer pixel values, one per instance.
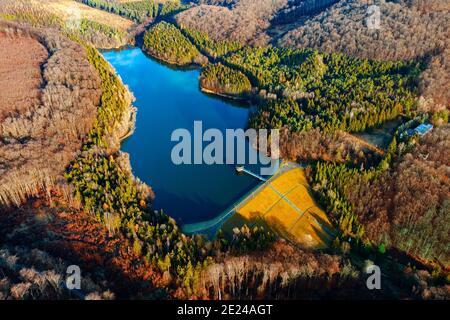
(242, 169)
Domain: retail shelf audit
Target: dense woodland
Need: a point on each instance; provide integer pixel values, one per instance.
(295, 10)
(211, 48)
(408, 205)
(409, 30)
(35, 254)
(23, 11)
(34, 274)
(45, 235)
(333, 91)
(281, 114)
(315, 145)
(402, 203)
(236, 20)
(285, 272)
(138, 11)
(224, 80)
(166, 42)
(100, 34)
(333, 26)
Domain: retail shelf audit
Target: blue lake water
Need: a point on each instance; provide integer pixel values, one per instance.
(168, 99)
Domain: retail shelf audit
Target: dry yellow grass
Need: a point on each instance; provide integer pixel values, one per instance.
(295, 217)
(68, 9)
(289, 180)
(282, 216)
(266, 198)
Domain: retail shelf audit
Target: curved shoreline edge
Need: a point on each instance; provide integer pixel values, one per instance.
(127, 127)
(222, 95)
(210, 227)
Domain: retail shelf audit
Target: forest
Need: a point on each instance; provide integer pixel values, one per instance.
(34, 255)
(138, 11)
(68, 194)
(40, 142)
(211, 48)
(295, 10)
(313, 145)
(334, 92)
(332, 26)
(401, 203)
(99, 32)
(220, 79)
(425, 24)
(166, 42)
(34, 274)
(286, 272)
(244, 21)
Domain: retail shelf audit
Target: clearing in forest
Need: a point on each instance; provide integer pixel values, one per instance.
(286, 206)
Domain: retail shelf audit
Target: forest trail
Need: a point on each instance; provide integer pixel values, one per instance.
(364, 143)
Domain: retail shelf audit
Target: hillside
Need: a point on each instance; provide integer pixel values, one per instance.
(311, 69)
(408, 206)
(239, 20)
(67, 8)
(166, 42)
(341, 29)
(22, 58)
(44, 230)
(339, 26)
(41, 132)
(42, 238)
(97, 27)
(402, 204)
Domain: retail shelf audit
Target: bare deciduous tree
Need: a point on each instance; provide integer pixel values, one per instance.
(38, 142)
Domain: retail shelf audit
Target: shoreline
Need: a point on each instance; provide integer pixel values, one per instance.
(169, 62)
(223, 95)
(194, 66)
(127, 125)
(124, 129)
(130, 123)
(211, 226)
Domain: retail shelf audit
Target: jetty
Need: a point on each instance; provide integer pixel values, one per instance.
(284, 203)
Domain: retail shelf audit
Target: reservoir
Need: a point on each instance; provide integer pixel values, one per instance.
(168, 99)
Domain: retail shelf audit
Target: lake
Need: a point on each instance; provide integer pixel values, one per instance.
(168, 99)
